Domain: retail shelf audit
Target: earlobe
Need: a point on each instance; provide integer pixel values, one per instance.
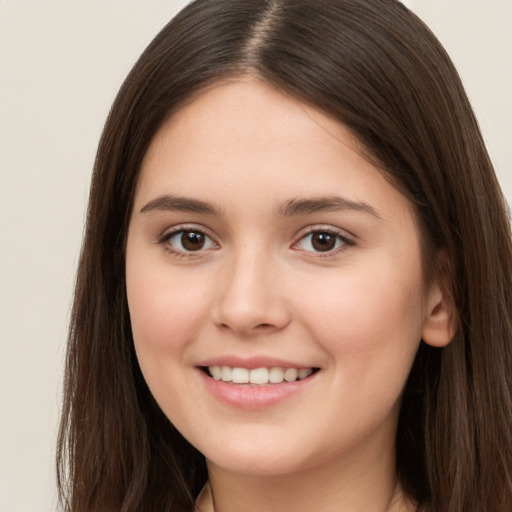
(440, 322)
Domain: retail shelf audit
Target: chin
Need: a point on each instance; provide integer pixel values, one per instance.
(258, 466)
(261, 460)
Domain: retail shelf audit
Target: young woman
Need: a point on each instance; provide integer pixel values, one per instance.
(294, 287)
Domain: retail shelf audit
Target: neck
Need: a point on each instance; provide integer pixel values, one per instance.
(369, 485)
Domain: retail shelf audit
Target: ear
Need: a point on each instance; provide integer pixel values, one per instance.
(440, 323)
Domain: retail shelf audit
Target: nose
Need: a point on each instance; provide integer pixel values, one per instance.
(250, 298)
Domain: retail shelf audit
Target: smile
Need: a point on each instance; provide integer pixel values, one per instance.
(258, 376)
(257, 387)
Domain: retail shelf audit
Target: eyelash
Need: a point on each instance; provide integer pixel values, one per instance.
(180, 230)
(339, 238)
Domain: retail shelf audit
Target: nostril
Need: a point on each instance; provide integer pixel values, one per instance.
(261, 327)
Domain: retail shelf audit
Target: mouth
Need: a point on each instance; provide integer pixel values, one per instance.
(258, 376)
(256, 383)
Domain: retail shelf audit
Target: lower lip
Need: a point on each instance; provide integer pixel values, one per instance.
(254, 397)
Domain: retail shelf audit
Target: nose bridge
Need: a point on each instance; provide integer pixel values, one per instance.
(250, 298)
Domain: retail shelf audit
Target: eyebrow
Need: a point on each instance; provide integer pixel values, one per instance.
(181, 204)
(291, 208)
(326, 203)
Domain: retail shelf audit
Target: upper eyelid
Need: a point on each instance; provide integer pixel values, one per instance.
(318, 228)
(168, 232)
(348, 240)
(308, 230)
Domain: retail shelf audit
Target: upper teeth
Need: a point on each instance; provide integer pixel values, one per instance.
(259, 375)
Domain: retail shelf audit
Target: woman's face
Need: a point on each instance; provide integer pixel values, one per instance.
(262, 245)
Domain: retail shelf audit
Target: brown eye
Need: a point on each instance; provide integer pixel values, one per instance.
(322, 241)
(192, 240)
(185, 241)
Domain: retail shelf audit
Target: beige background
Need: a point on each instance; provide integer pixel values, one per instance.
(61, 64)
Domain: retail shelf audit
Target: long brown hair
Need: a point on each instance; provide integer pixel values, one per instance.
(376, 68)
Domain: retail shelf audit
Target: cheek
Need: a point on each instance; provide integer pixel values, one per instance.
(164, 311)
(165, 317)
(367, 320)
(159, 314)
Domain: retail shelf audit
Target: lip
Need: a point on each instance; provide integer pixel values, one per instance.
(251, 363)
(250, 396)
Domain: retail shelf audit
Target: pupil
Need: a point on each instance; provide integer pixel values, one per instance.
(323, 242)
(192, 241)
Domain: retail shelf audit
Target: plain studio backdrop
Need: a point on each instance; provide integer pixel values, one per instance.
(61, 64)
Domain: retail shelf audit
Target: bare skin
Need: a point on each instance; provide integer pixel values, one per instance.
(260, 237)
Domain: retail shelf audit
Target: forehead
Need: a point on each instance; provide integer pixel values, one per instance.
(239, 137)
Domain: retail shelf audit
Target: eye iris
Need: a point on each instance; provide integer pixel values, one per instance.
(323, 242)
(192, 240)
